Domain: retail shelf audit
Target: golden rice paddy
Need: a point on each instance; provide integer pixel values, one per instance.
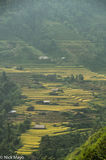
(62, 103)
(31, 139)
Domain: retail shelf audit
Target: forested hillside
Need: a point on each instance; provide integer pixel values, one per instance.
(93, 149)
(68, 32)
(10, 96)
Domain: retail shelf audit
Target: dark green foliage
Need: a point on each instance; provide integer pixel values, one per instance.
(76, 104)
(71, 29)
(94, 148)
(46, 78)
(19, 68)
(72, 78)
(3, 77)
(80, 77)
(10, 96)
(54, 93)
(58, 147)
(24, 126)
(31, 108)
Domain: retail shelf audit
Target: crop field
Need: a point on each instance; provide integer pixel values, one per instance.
(66, 71)
(31, 138)
(68, 99)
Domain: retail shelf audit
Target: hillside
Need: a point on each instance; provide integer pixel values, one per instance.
(52, 79)
(18, 52)
(69, 104)
(94, 148)
(68, 32)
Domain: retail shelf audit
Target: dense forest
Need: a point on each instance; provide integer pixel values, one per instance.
(10, 95)
(94, 148)
(67, 32)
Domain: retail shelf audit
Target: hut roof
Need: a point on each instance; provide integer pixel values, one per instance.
(46, 101)
(12, 111)
(43, 57)
(38, 126)
(56, 89)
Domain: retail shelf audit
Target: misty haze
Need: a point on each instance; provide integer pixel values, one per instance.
(52, 79)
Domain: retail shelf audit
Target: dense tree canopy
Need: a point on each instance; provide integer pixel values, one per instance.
(71, 29)
(10, 96)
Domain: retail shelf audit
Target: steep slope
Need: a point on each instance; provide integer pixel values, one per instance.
(18, 52)
(93, 149)
(72, 29)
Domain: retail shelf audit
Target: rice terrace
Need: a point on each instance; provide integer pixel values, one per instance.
(49, 103)
(53, 79)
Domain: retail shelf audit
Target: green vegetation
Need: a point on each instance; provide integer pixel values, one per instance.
(9, 97)
(10, 94)
(53, 79)
(94, 148)
(66, 32)
(70, 117)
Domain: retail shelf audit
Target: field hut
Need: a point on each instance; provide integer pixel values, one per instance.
(55, 90)
(12, 112)
(38, 126)
(63, 58)
(43, 57)
(46, 102)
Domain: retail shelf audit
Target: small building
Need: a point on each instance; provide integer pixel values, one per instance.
(63, 58)
(46, 102)
(55, 90)
(12, 112)
(38, 126)
(43, 102)
(43, 57)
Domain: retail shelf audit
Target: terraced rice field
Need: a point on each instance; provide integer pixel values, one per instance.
(32, 137)
(66, 71)
(48, 114)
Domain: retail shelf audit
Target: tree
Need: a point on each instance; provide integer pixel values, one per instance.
(81, 77)
(9, 96)
(72, 78)
(31, 108)
(4, 77)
